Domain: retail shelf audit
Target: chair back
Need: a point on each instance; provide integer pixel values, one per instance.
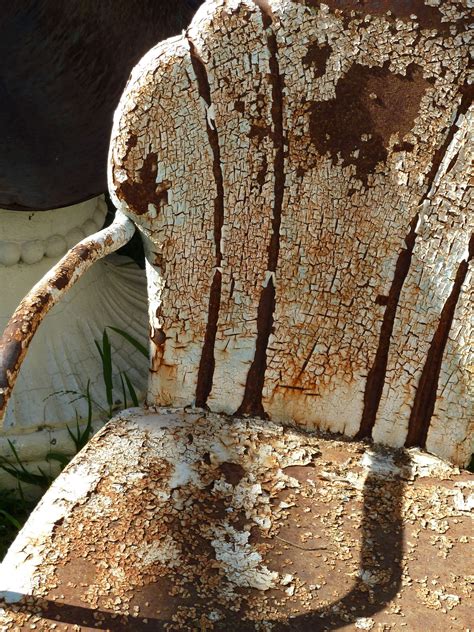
(298, 174)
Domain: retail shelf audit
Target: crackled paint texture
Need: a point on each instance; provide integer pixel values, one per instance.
(299, 172)
(185, 521)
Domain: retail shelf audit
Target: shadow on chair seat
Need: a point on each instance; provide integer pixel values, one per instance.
(194, 521)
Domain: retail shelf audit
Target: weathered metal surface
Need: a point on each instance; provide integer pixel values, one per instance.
(47, 292)
(306, 232)
(185, 521)
(300, 173)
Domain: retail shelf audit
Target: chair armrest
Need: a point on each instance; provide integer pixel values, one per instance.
(33, 308)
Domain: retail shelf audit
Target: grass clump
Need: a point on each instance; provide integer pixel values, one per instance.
(14, 507)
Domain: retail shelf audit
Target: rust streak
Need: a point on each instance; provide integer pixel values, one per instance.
(376, 376)
(252, 400)
(467, 96)
(207, 362)
(425, 398)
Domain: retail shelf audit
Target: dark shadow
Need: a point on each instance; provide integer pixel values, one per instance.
(381, 550)
(381, 554)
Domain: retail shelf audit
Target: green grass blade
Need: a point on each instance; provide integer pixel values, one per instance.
(45, 476)
(84, 438)
(22, 495)
(24, 476)
(138, 346)
(131, 390)
(73, 436)
(80, 438)
(15, 454)
(9, 518)
(11, 469)
(99, 349)
(60, 457)
(106, 356)
(124, 392)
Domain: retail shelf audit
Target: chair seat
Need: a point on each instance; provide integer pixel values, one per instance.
(187, 520)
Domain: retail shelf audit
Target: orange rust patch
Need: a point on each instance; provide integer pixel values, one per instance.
(317, 57)
(145, 190)
(371, 104)
(428, 17)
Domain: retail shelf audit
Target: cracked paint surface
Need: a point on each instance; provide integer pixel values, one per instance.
(174, 520)
(302, 262)
(307, 239)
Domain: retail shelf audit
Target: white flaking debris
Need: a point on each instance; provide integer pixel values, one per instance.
(165, 551)
(368, 578)
(183, 474)
(177, 504)
(464, 496)
(286, 579)
(243, 565)
(380, 463)
(17, 571)
(424, 464)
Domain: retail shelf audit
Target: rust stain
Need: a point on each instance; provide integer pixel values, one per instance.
(259, 131)
(428, 17)
(239, 106)
(233, 472)
(317, 57)
(207, 362)
(62, 280)
(425, 398)
(158, 336)
(143, 191)
(252, 399)
(262, 172)
(404, 146)
(370, 103)
(376, 376)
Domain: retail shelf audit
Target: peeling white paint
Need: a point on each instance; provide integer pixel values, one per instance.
(243, 566)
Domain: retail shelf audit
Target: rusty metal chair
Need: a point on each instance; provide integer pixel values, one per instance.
(298, 176)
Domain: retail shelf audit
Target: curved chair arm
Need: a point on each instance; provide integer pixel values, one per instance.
(33, 308)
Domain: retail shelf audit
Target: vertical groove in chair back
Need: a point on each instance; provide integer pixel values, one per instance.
(299, 174)
(164, 170)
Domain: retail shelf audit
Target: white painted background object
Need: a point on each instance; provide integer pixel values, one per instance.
(62, 355)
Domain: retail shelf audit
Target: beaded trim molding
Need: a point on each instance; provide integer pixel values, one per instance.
(34, 250)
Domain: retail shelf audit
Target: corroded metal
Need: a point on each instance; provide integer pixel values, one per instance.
(47, 292)
(306, 230)
(300, 171)
(184, 521)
